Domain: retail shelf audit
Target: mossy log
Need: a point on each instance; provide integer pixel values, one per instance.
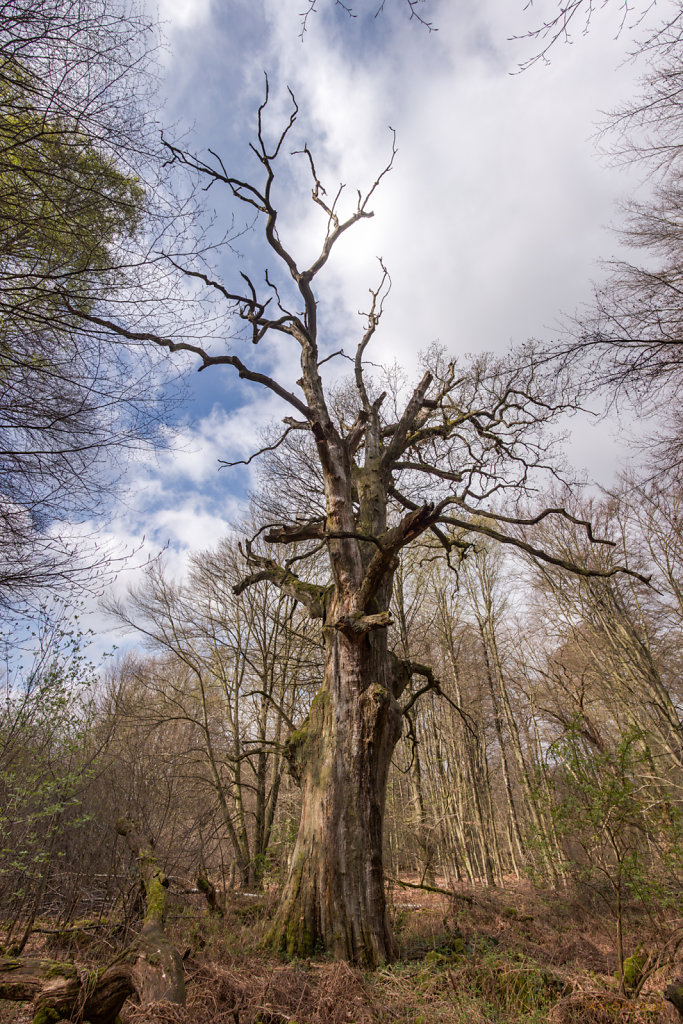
(150, 967)
(674, 994)
(58, 992)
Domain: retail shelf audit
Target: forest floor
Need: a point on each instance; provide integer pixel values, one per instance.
(513, 955)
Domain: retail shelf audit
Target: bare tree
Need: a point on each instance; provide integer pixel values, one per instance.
(431, 460)
(236, 673)
(627, 341)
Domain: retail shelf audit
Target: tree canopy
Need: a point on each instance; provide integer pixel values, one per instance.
(70, 205)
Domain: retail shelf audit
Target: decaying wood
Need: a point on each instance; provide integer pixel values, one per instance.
(673, 993)
(150, 967)
(208, 891)
(156, 966)
(59, 992)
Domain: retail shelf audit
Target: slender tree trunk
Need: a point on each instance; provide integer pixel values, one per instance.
(620, 936)
(512, 809)
(334, 897)
(423, 835)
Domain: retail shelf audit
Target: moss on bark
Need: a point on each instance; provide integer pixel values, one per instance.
(334, 896)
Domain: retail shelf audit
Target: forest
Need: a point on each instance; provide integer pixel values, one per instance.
(405, 745)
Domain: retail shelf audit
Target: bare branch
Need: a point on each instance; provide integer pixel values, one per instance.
(267, 448)
(544, 556)
(311, 596)
(433, 685)
(376, 308)
(359, 625)
(390, 544)
(407, 421)
(206, 359)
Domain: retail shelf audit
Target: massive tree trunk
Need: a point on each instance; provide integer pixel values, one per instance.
(334, 898)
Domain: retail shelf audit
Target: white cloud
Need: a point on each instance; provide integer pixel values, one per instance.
(491, 222)
(492, 219)
(179, 15)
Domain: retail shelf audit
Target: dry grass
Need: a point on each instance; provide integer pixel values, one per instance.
(512, 956)
(264, 991)
(492, 990)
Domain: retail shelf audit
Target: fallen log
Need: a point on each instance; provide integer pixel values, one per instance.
(59, 992)
(150, 967)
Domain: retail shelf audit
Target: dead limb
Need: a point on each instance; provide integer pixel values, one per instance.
(60, 993)
(149, 968)
(432, 888)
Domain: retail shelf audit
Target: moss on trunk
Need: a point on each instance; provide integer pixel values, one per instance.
(334, 896)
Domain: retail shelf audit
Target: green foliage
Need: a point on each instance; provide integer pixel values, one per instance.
(68, 211)
(619, 824)
(63, 203)
(623, 821)
(43, 765)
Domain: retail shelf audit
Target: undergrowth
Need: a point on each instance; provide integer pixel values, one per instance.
(492, 957)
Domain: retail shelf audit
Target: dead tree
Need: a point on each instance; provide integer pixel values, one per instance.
(149, 968)
(156, 967)
(388, 471)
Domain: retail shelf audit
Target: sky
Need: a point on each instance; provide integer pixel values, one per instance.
(492, 222)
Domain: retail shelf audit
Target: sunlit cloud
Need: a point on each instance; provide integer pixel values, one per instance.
(180, 15)
(491, 222)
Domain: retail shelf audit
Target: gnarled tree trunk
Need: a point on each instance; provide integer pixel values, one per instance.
(387, 468)
(157, 971)
(334, 898)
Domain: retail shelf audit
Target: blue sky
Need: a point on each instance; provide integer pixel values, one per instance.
(492, 222)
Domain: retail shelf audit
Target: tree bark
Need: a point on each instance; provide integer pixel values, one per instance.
(674, 994)
(157, 971)
(422, 831)
(334, 897)
(59, 993)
